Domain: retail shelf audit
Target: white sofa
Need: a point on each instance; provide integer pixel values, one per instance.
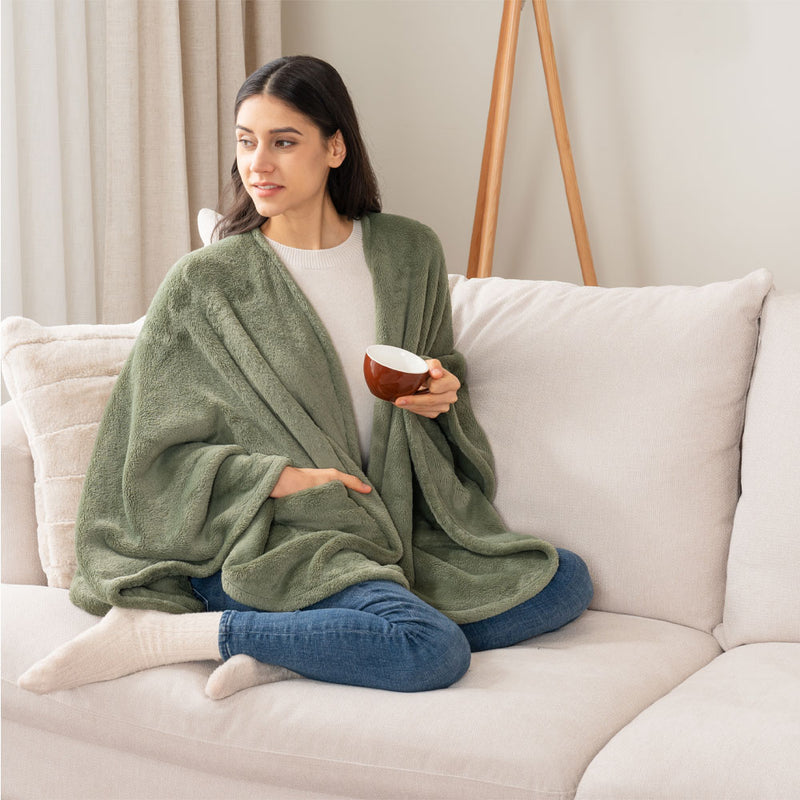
(640, 427)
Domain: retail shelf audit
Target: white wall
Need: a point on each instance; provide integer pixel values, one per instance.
(683, 115)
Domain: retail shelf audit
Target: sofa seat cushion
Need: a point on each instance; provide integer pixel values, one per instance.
(523, 723)
(730, 732)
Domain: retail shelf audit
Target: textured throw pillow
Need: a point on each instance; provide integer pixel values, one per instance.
(762, 600)
(61, 378)
(615, 416)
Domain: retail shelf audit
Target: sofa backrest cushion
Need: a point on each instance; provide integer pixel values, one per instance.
(615, 416)
(60, 378)
(762, 600)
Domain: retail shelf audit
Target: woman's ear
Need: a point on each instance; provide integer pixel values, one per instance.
(337, 150)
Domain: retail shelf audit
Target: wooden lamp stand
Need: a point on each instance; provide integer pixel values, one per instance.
(485, 226)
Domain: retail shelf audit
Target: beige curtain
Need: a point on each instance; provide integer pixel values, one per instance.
(117, 129)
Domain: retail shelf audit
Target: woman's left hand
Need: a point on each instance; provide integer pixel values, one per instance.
(442, 392)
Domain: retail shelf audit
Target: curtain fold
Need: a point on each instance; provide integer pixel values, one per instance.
(117, 129)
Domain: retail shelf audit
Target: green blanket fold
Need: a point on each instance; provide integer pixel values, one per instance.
(232, 378)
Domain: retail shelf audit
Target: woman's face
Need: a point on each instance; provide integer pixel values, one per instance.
(283, 159)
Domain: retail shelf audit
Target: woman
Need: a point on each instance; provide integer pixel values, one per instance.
(248, 500)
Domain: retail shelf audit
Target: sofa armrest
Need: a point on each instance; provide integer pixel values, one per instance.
(20, 556)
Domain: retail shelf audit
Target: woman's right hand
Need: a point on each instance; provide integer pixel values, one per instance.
(295, 479)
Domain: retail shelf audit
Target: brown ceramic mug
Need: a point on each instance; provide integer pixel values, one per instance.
(392, 372)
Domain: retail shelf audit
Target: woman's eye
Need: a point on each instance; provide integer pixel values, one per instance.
(282, 144)
(245, 142)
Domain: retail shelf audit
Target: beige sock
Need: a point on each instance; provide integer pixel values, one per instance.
(242, 672)
(126, 640)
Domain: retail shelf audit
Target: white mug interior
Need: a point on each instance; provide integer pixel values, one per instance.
(397, 358)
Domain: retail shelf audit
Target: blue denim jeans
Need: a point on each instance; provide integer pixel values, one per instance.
(380, 635)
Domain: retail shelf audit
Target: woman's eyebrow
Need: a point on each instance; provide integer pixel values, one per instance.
(274, 130)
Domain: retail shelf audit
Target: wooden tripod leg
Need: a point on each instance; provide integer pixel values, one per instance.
(484, 226)
(562, 140)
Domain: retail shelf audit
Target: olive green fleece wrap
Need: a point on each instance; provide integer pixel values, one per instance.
(232, 378)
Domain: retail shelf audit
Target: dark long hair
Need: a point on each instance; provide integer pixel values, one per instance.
(314, 88)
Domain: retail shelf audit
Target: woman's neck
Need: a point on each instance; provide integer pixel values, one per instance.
(315, 231)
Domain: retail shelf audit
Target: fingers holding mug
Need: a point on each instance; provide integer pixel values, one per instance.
(440, 392)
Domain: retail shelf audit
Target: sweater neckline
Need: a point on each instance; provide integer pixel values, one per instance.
(328, 258)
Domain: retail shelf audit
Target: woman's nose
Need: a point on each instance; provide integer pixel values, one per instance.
(261, 161)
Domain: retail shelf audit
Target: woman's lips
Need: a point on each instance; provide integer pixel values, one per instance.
(266, 189)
